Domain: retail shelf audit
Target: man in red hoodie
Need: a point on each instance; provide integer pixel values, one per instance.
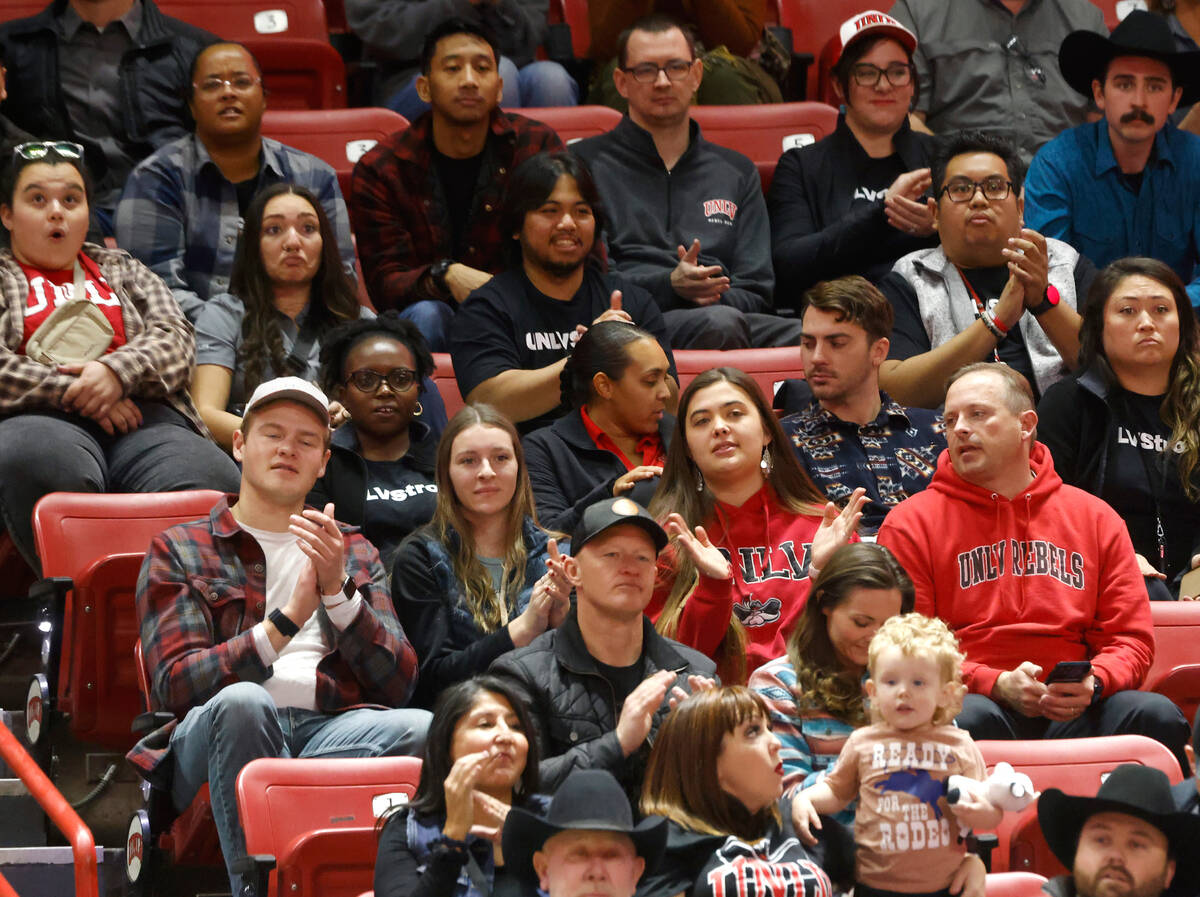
(1029, 573)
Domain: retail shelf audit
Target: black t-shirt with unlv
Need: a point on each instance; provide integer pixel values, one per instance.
(510, 324)
(1141, 474)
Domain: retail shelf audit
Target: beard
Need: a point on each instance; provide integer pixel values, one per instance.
(1119, 883)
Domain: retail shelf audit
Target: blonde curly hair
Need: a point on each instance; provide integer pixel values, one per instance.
(917, 635)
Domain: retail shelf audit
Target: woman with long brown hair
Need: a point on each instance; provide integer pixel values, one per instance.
(749, 527)
(815, 691)
(1126, 426)
(482, 577)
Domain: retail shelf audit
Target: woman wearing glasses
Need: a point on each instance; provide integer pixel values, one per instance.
(287, 290)
(853, 202)
(109, 412)
(380, 470)
(482, 577)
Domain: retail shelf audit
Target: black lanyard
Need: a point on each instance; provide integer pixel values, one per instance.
(979, 306)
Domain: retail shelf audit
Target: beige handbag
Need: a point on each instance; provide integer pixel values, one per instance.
(73, 333)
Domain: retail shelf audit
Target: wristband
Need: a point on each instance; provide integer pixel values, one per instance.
(992, 323)
(283, 623)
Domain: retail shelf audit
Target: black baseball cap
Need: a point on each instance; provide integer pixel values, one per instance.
(610, 512)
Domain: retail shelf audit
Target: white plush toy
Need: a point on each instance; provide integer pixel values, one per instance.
(1004, 788)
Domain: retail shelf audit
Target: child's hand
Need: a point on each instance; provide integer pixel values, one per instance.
(976, 813)
(970, 880)
(805, 818)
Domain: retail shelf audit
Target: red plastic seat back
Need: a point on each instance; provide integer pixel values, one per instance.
(1182, 685)
(575, 14)
(1074, 766)
(768, 367)
(1176, 635)
(99, 541)
(443, 378)
(317, 817)
(337, 136)
(239, 20)
(814, 22)
(1115, 10)
(299, 72)
(1014, 884)
(763, 133)
(21, 9)
(575, 122)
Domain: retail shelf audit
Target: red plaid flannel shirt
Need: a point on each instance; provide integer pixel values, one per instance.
(398, 208)
(201, 590)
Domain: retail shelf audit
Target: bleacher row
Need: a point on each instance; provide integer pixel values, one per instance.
(317, 818)
(291, 38)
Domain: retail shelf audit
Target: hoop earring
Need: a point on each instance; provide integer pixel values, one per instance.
(699, 480)
(767, 463)
(418, 411)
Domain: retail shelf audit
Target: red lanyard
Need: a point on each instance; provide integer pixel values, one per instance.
(979, 306)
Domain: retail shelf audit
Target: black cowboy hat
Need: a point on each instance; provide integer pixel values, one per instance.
(1135, 790)
(1084, 55)
(589, 800)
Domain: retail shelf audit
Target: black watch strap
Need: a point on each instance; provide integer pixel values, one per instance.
(437, 273)
(283, 623)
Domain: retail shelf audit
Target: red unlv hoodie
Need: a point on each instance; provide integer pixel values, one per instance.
(768, 547)
(1045, 577)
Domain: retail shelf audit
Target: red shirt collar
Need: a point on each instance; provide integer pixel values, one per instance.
(650, 447)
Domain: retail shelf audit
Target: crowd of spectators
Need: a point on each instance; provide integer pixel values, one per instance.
(990, 269)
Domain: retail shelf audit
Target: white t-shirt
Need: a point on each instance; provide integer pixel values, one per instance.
(293, 679)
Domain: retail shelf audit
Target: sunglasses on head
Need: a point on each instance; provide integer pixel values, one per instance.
(37, 150)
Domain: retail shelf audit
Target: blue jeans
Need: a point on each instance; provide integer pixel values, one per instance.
(241, 723)
(43, 452)
(433, 320)
(536, 84)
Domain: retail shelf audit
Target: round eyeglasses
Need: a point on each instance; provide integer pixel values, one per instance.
(368, 381)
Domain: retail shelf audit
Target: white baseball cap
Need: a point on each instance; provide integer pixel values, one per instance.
(293, 388)
(872, 21)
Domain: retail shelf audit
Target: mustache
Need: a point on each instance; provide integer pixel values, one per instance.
(1137, 115)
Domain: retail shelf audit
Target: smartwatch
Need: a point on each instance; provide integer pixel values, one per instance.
(283, 623)
(345, 593)
(437, 273)
(1097, 688)
(1049, 301)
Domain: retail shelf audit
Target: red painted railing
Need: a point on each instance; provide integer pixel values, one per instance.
(83, 845)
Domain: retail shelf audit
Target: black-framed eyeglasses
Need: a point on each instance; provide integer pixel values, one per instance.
(963, 189)
(1036, 73)
(35, 150)
(898, 74)
(238, 83)
(647, 72)
(368, 381)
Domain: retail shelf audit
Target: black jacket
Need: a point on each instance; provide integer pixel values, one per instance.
(568, 472)
(818, 232)
(575, 708)
(155, 81)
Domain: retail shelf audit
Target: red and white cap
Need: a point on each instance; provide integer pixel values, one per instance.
(872, 22)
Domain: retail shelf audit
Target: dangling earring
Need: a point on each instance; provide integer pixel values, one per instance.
(766, 464)
(418, 411)
(699, 480)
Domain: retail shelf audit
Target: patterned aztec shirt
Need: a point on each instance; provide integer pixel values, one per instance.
(892, 457)
(201, 590)
(399, 207)
(179, 214)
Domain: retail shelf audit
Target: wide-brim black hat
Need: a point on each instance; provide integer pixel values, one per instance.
(588, 800)
(1084, 55)
(1135, 790)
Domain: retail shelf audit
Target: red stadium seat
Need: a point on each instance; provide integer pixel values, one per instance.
(814, 22)
(240, 20)
(763, 133)
(1014, 884)
(573, 13)
(768, 367)
(91, 547)
(443, 376)
(337, 136)
(575, 122)
(317, 818)
(1115, 10)
(1075, 766)
(21, 9)
(1176, 635)
(1181, 684)
(300, 72)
